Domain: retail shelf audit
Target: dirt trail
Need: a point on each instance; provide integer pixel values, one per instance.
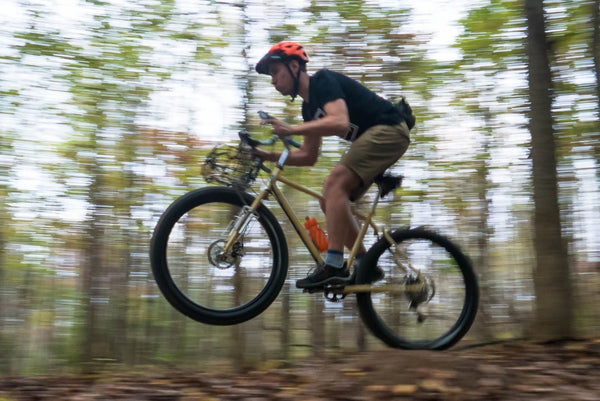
(510, 371)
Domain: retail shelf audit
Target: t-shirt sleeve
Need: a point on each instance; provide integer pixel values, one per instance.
(327, 88)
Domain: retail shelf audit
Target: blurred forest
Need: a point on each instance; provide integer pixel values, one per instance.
(108, 108)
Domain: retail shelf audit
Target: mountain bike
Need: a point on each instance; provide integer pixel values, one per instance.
(220, 256)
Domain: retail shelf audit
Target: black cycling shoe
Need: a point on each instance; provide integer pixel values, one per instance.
(325, 274)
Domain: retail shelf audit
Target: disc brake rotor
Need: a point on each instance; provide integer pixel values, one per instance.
(218, 258)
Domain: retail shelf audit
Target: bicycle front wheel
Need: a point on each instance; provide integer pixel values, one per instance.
(194, 273)
(428, 296)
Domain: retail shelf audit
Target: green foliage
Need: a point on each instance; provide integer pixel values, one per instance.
(494, 35)
(364, 40)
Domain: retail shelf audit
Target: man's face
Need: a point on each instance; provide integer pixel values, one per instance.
(281, 78)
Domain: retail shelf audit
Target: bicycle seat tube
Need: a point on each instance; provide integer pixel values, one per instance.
(363, 231)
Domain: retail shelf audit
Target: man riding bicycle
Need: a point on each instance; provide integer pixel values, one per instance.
(335, 105)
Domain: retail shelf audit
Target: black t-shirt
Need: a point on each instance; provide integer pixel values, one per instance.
(365, 108)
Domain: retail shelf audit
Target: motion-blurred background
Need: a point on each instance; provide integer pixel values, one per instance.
(107, 109)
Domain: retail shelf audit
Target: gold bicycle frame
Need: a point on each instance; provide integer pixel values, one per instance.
(272, 189)
(299, 227)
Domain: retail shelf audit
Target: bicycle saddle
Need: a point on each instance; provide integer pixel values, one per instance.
(387, 182)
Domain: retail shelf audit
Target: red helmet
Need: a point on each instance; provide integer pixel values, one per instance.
(282, 52)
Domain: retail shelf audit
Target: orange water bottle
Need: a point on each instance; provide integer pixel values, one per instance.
(316, 233)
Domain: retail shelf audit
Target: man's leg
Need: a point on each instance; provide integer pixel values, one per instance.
(352, 232)
(373, 152)
(342, 227)
(340, 222)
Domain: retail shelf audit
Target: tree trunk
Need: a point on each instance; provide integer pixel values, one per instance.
(485, 329)
(286, 321)
(92, 263)
(554, 302)
(238, 337)
(317, 326)
(4, 222)
(596, 56)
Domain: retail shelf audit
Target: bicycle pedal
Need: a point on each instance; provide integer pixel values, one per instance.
(334, 296)
(337, 288)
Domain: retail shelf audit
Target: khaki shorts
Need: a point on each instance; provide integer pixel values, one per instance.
(374, 152)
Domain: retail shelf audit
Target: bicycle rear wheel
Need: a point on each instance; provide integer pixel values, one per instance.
(431, 307)
(197, 277)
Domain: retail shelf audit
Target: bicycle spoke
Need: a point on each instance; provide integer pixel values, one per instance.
(237, 278)
(201, 278)
(428, 296)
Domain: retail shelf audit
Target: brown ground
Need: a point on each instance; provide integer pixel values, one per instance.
(509, 371)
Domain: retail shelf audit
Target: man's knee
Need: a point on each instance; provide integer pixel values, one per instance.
(339, 185)
(334, 187)
(341, 178)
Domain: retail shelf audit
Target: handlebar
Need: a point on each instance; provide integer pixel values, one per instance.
(253, 142)
(288, 142)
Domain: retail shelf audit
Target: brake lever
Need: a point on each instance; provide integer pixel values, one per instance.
(248, 140)
(291, 142)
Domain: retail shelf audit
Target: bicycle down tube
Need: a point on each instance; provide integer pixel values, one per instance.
(272, 188)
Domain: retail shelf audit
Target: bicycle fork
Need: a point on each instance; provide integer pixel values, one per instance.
(237, 227)
(224, 252)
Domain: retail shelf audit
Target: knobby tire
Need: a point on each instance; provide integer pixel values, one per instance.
(179, 248)
(454, 300)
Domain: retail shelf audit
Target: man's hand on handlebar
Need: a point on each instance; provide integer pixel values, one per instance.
(263, 154)
(280, 128)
